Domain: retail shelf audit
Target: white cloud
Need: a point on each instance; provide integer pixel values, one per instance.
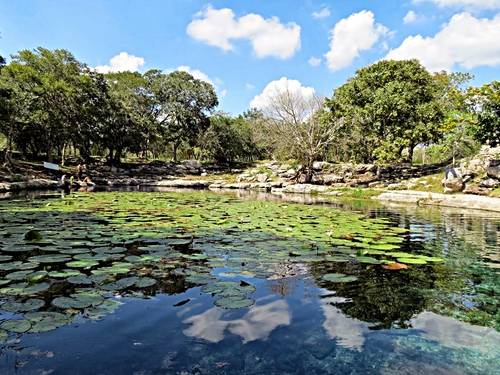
(477, 4)
(249, 86)
(261, 101)
(223, 93)
(322, 13)
(465, 40)
(352, 35)
(268, 37)
(197, 74)
(410, 17)
(314, 61)
(121, 63)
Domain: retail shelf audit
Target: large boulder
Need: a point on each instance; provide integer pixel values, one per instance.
(453, 180)
(493, 169)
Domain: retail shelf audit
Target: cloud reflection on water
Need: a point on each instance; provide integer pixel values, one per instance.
(256, 324)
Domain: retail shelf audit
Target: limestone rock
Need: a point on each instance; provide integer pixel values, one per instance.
(262, 177)
(490, 183)
(476, 190)
(453, 180)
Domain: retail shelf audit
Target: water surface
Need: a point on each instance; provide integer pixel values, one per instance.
(433, 318)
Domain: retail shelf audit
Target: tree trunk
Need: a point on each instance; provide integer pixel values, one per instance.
(174, 153)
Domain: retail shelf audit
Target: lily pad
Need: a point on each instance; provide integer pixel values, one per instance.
(16, 325)
(28, 305)
(338, 278)
(234, 302)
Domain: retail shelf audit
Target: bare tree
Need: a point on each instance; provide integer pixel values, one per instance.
(296, 122)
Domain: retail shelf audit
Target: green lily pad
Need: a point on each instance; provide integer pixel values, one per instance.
(69, 303)
(145, 282)
(62, 274)
(80, 279)
(338, 278)
(28, 305)
(16, 325)
(412, 261)
(82, 263)
(234, 302)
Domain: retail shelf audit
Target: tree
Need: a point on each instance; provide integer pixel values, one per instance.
(227, 139)
(297, 124)
(128, 115)
(44, 82)
(394, 104)
(487, 129)
(457, 101)
(184, 104)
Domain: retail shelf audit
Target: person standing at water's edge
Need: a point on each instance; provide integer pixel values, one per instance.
(79, 170)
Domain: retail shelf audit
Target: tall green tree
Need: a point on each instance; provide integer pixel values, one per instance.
(184, 105)
(458, 102)
(487, 128)
(393, 104)
(45, 82)
(227, 139)
(128, 115)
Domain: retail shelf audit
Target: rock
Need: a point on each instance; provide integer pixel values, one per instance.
(493, 171)
(262, 177)
(453, 180)
(490, 183)
(395, 187)
(304, 188)
(329, 179)
(476, 190)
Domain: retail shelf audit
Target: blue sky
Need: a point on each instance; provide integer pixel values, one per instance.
(248, 48)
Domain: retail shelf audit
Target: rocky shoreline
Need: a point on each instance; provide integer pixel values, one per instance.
(464, 201)
(396, 183)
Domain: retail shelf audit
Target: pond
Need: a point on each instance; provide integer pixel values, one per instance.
(147, 283)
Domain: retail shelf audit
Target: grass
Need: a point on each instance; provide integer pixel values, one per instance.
(359, 193)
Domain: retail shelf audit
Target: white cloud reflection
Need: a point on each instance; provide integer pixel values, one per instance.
(256, 324)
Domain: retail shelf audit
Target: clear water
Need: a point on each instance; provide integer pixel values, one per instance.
(389, 322)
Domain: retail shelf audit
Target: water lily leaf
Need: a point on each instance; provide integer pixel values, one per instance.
(17, 265)
(337, 259)
(234, 302)
(67, 303)
(61, 274)
(80, 279)
(16, 325)
(145, 282)
(431, 259)
(364, 259)
(49, 258)
(412, 260)
(4, 336)
(82, 263)
(92, 299)
(338, 278)
(37, 288)
(46, 321)
(18, 275)
(28, 305)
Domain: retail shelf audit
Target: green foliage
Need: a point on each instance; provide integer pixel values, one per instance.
(390, 106)
(487, 128)
(227, 139)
